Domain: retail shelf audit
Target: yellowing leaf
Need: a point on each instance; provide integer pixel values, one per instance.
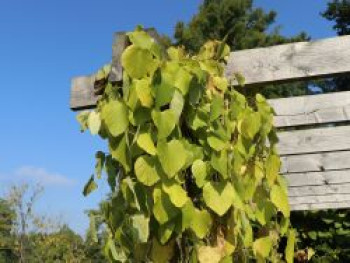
(201, 223)
(141, 39)
(140, 225)
(218, 196)
(160, 253)
(94, 122)
(250, 125)
(120, 151)
(262, 247)
(199, 171)
(207, 254)
(146, 170)
(172, 156)
(165, 122)
(143, 91)
(115, 116)
(163, 209)
(280, 199)
(272, 165)
(145, 142)
(138, 62)
(177, 194)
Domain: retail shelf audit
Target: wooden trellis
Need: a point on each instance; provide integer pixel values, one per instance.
(314, 133)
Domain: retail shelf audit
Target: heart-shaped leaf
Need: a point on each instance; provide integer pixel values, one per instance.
(218, 196)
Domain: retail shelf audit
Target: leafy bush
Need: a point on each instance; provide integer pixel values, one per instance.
(192, 163)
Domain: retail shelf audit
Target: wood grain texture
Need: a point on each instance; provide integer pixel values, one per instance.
(320, 199)
(314, 140)
(82, 93)
(318, 178)
(290, 62)
(119, 45)
(319, 190)
(320, 206)
(310, 110)
(317, 162)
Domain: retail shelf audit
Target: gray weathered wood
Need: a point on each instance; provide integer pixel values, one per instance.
(320, 206)
(119, 45)
(288, 62)
(314, 109)
(314, 140)
(319, 190)
(316, 162)
(82, 93)
(292, 62)
(320, 199)
(318, 178)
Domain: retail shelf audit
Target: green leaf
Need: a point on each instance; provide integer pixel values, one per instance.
(165, 122)
(94, 122)
(183, 80)
(118, 255)
(216, 107)
(115, 116)
(262, 247)
(201, 223)
(219, 163)
(120, 151)
(146, 170)
(199, 171)
(141, 39)
(90, 186)
(290, 247)
(163, 208)
(143, 91)
(140, 225)
(100, 160)
(172, 156)
(138, 62)
(216, 143)
(160, 253)
(280, 199)
(165, 231)
(273, 165)
(218, 196)
(207, 254)
(250, 125)
(177, 104)
(145, 142)
(240, 79)
(178, 196)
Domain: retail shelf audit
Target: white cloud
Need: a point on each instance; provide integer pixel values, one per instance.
(38, 175)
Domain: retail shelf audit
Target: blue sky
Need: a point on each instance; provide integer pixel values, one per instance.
(43, 44)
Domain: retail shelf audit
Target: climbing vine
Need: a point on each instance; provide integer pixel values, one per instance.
(192, 163)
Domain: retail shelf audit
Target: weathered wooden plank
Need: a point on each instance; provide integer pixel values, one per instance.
(315, 162)
(290, 62)
(279, 63)
(314, 109)
(314, 140)
(320, 206)
(82, 93)
(119, 45)
(319, 190)
(318, 178)
(319, 199)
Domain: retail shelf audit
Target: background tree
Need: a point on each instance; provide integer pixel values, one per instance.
(338, 11)
(7, 219)
(242, 26)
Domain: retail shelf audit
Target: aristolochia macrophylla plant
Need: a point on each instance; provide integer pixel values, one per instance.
(192, 163)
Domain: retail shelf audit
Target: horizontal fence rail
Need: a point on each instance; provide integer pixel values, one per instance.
(313, 132)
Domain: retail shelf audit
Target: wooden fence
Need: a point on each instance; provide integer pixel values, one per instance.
(314, 136)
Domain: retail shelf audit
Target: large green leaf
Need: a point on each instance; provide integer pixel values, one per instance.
(183, 80)
(141, 39)
(163, 208)
(273, 165)
(201, 223)
(219, 163)
(262, 247)
(165, 122)
(199, 171)
(216, 107)
(146, 170)
(94, 122)
(280, 199)
(250, 125)
(177, 194)
(115, 116)
(218, 196)
(177, 104)
(207, 254)
(138, 62)
(172, 156)
(161, 253)
(145, 142)
(143, 91)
